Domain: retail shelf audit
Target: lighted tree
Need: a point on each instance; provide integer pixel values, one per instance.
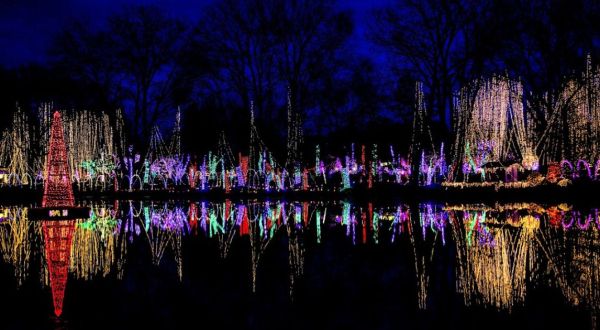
(490, 124)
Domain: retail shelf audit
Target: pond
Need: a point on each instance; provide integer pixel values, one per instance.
(302, 264)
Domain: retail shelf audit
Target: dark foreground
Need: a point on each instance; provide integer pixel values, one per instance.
(581, 191)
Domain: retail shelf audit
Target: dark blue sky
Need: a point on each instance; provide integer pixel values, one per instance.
(27, 26)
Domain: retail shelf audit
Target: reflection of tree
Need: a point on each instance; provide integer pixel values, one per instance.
(18, 240)
(258, 238)
(163, 227)
(178, 255)
(423, 253)
(229, 229)
(574, 261)
(295, 254)
(494, 261)
(158, 241)
(96, 246)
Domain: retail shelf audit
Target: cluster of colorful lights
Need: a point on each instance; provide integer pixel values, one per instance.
(97, 166)
(491, 128)
(92, 143)
(493, 124)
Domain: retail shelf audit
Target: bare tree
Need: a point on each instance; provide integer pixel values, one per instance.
(237, 41)
(547, 46)
(434, 39)
(309, 40)
(132, 62)
(255, 50)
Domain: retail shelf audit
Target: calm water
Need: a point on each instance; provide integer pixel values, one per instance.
(304, 265)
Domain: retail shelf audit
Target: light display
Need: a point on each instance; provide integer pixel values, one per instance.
(421, 138)
(219, 171)
(58, 191)
(317, 158)
(175, 148)
(15, 150)
(156, 147)
(203, 175)
(90, 140)
(295, 256)
(495, 263)
(16, 243)
(90, 137)
(346, 178)
(573, 257)
(573, 119)
(294, 131)
(297, 176)
(495, 124)
(97, 245)
(490, 119)
(160, 228)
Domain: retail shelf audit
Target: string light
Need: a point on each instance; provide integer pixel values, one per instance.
(490, 124)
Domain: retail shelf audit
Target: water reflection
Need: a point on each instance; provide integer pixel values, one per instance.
(498, 252)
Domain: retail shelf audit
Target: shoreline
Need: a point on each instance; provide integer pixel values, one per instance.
(584, 192)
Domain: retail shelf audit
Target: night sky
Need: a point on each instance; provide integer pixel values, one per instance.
(27, 27)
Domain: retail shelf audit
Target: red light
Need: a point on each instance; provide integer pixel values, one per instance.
(58, 235)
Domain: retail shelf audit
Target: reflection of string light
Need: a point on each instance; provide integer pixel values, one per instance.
(15, 241)
(493, 270)
(573, 260)
(95, 248)
(499, 248)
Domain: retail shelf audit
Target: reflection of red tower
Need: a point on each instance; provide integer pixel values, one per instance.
(58, 235)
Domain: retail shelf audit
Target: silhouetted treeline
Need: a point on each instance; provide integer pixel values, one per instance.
(250, 51)
(448, 43)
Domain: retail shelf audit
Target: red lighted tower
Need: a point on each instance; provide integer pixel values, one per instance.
(58, 192)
